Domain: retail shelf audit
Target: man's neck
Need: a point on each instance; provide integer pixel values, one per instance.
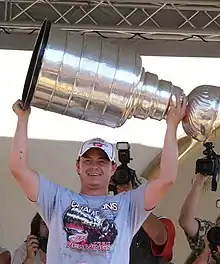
(94, 192)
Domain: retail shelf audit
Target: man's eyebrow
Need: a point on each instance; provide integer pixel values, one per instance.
(86, 157)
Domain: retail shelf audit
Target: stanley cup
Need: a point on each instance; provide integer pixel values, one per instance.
(91, 79)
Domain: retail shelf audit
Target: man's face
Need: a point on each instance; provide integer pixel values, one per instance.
(95, 169)
(44, 232)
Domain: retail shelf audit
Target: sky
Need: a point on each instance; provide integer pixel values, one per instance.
(186, 73)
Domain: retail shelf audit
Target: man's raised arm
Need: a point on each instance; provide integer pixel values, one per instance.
(27, 178)
(156, 189)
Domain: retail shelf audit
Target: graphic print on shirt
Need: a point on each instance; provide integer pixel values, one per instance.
(90, 229)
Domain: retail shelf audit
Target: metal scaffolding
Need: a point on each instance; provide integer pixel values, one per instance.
(172, 21)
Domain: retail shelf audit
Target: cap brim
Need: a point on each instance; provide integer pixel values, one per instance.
(96, 147)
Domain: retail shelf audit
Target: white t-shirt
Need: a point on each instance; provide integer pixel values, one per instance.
(21, 253)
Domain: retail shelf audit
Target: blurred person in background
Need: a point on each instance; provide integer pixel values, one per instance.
(194, 227)
(5, 256)
(33, 250)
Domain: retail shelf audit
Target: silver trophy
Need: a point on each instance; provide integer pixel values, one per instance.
(91, 79)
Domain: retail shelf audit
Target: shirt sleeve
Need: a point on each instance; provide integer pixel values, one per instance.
(47, 198)
(19, 255)
(197, 243)
(165, 251)
(138, 212)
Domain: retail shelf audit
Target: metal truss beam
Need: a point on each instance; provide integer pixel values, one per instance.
(145, 48)
(172, 21)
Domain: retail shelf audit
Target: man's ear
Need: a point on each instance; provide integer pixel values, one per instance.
(114, 167)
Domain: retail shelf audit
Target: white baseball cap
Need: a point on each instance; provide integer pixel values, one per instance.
(99, 143)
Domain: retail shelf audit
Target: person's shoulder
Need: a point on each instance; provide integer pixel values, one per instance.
(21, 248)
(205, 221)
(68, 193)
(166, 220)
(2, 250)
(120, 196)
(204, 224)
(59, 187)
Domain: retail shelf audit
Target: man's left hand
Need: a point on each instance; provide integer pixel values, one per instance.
(176, 112)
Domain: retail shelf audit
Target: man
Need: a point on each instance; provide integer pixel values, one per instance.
(91, 226)
(33, 250)
(154, 241)
(196, 228)
(5, 256)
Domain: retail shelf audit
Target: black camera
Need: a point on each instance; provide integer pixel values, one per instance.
(123, 174)
(43, 243)
(43, 240)
(210, 165)
(213, 237)
(35, 231)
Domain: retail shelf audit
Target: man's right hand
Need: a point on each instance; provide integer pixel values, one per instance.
(32, 246)
(18, 108)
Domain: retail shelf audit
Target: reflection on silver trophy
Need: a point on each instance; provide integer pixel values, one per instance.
(91, 79)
